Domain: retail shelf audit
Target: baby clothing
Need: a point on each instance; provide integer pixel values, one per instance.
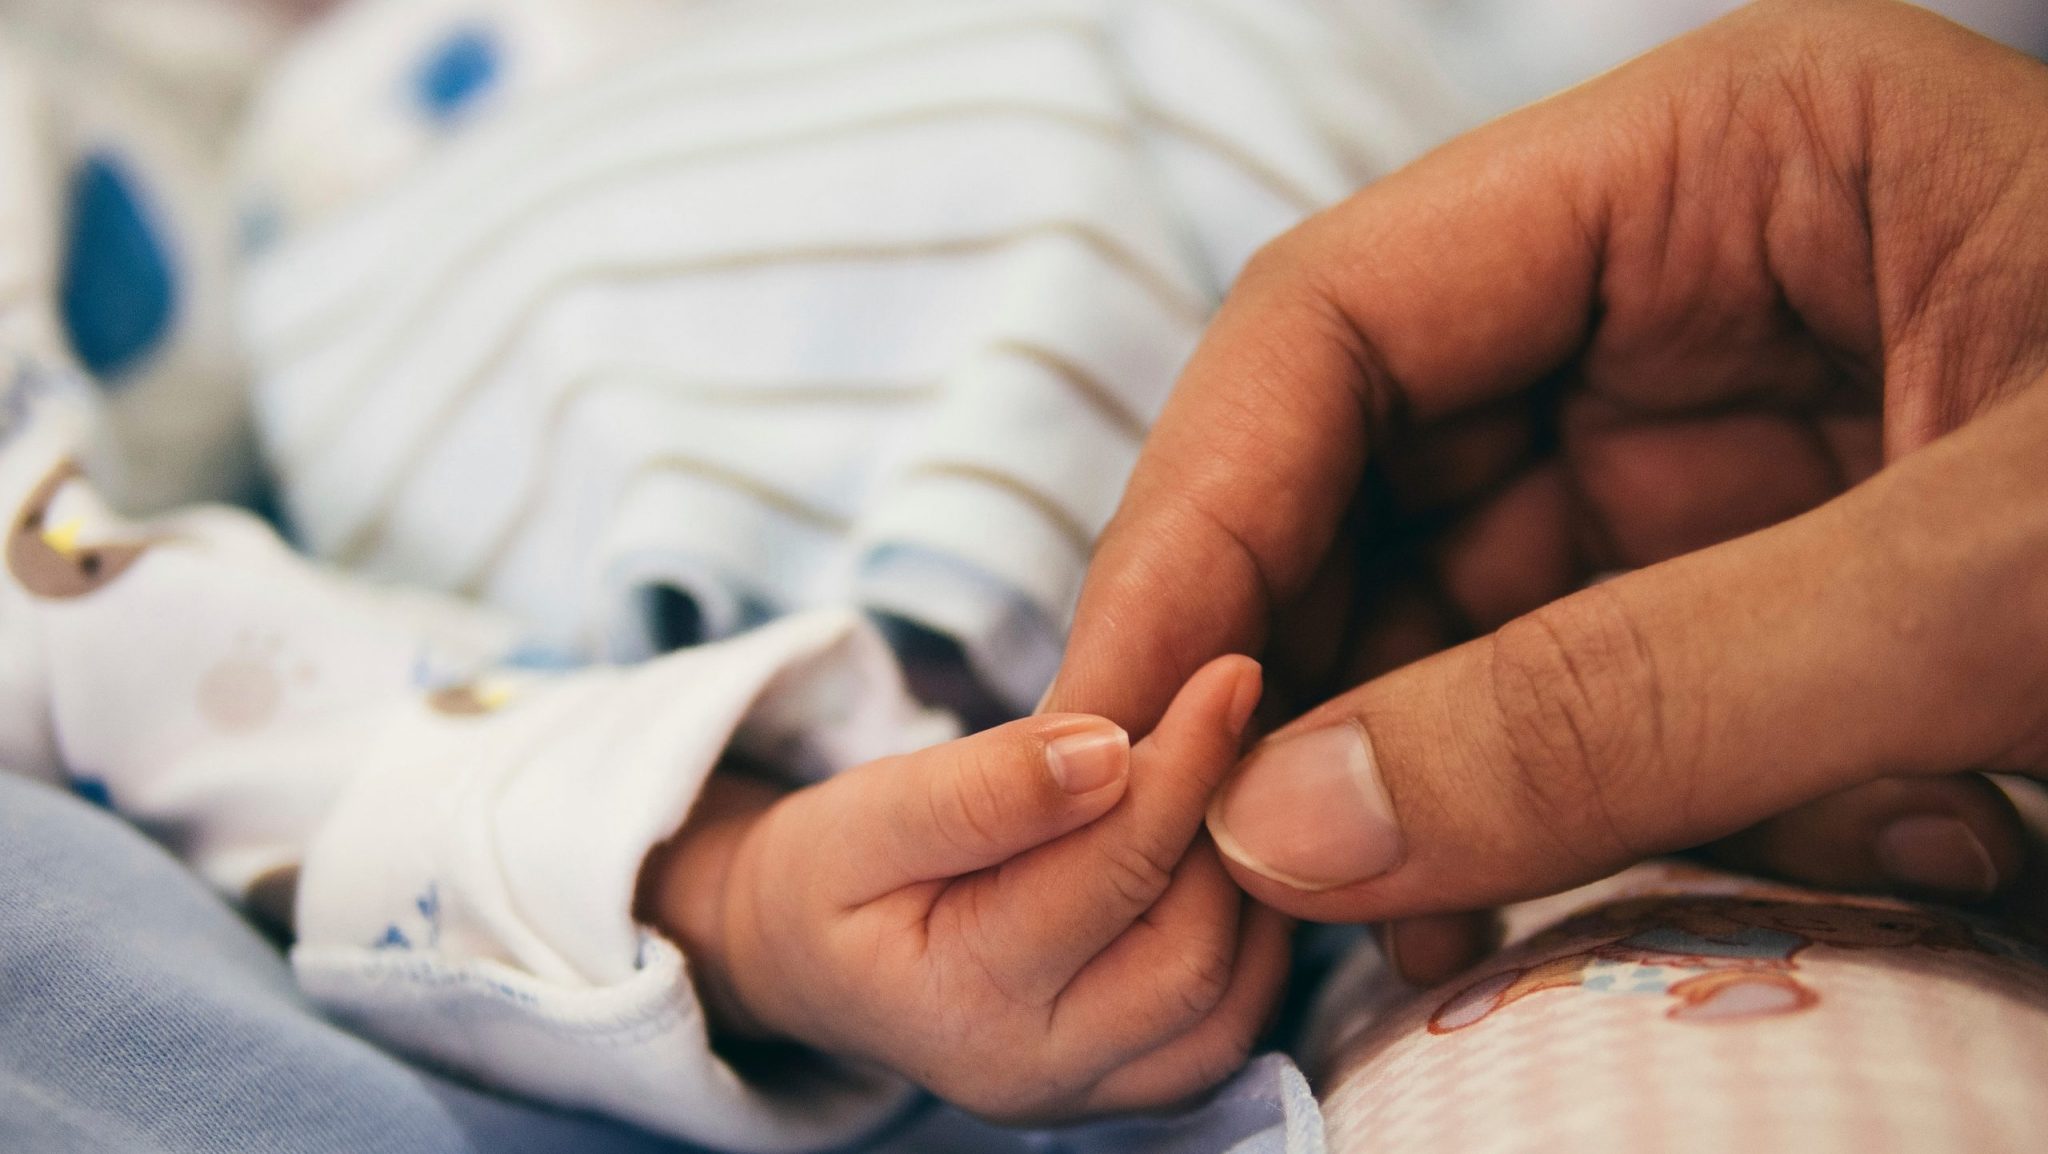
(460, 833)
(465, 834)
(138, 1015)
(796, 311)
(752, 306)
(775, 315)
(762, 309)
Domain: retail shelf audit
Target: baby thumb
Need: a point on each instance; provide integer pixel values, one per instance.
(970, 804)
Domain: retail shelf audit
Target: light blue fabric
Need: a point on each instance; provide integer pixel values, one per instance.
(1266, 1109)
(138, 1014)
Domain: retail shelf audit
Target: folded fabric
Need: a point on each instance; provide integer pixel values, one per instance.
(646, 322)
(464, 837)
(774, 304)
(200, 1044)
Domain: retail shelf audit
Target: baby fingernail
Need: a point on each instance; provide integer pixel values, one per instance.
(1251, 684)
(1928, 852)
(1310, 812)
(1090, 759)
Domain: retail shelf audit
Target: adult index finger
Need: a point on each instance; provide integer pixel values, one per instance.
(1466, 277)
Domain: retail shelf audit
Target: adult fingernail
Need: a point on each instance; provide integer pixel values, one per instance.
(1310, 812)
(1943, 854)
(1089, 759)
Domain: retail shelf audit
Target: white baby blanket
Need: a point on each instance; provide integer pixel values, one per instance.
(799, 309)
(776, 304)
(466, 836)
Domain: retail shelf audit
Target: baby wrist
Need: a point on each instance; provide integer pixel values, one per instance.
(686, 893)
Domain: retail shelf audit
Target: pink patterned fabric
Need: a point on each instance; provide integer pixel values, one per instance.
(1672, 1009)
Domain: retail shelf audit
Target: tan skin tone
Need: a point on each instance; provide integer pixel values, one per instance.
(1684, 314)
(1765, 312)
(957, 916)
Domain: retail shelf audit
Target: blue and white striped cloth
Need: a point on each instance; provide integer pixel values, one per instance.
(774, 304)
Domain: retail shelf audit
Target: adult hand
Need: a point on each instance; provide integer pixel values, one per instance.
(1762, 319)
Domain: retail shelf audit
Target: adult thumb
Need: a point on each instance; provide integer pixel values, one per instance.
(1895, 631)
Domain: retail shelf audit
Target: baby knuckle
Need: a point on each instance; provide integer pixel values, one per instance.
(1016, 1097)
(1135, 874)
(1203, 976)
(968, 806)
(1223, 1057)
(1581, 709)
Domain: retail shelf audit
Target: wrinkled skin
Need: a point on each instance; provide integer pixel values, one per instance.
(1761, 319)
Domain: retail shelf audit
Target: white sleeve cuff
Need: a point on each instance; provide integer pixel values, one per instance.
(470, 898)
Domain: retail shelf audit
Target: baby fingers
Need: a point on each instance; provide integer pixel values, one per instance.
(1049, 913)
(1215, 1047)
(1171, 972)
(1167, 972)
(966, 805)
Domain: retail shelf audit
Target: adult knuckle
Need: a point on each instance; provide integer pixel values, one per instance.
(1581, 709)
(1957, 566)
(1275, 263)
(1298, 275)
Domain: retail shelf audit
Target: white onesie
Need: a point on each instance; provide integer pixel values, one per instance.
(792, 312)
(575, 305)
(465, 833)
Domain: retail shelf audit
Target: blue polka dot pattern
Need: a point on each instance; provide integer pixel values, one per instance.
(93, 790)
(459, 71)
(120, 292)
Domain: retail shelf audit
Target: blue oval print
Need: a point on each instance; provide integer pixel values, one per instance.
(119, 289)
(457, 73)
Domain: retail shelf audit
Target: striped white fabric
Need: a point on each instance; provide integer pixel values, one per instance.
(774, 303)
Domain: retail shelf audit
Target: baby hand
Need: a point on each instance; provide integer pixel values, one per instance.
(1027, 922)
